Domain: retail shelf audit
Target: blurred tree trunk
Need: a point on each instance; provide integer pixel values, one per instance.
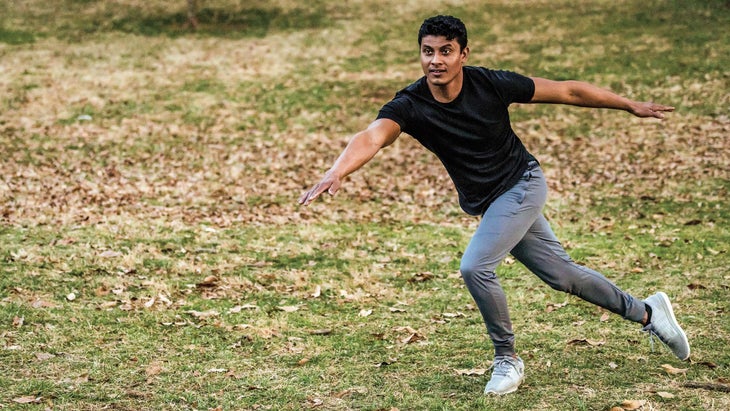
(192, 9)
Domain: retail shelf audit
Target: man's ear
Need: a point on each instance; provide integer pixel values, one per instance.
(464, 53)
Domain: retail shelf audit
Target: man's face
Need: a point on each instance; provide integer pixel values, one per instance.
(441, 59)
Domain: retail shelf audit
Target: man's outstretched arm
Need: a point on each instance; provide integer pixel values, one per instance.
(362, 148)
(578, 93)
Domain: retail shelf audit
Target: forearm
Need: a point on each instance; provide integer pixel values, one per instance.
(579, 93)
(587, 95)
(359, 150)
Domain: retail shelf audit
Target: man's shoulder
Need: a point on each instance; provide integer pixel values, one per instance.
(490, 73)
(509, 85)
(416, 88)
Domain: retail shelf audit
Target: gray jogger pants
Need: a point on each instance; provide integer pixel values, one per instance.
(514, 224)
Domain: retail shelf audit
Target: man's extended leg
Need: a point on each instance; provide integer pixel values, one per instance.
(540, 251)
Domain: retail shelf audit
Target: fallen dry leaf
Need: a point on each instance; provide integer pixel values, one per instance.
(321, 331)
(152, 370)
(554, 306)
(110, 254)
(317, 292)
(664, 394)
(108, 304)
(288, 308)
(721, 386)
(28, 399)
(708, 364)
(348, 392)
(203, 314)
(629, 405)
(149, 303)
(389, 361)
(472, 372)
(209, 281)
(695, 286)
(365, 313)
(42, 304)
(586, 341)
(671, 370)
(421, 277)
(239, 308)
(413, 338)
(43, 356)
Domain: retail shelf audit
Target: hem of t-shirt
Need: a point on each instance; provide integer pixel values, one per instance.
(505, 187)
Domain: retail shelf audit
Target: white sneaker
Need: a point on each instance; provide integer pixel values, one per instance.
(508, 373)
(664, 325)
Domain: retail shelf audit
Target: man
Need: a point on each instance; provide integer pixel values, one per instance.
(460, 113)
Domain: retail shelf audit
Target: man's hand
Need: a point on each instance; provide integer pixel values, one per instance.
(330, 182)
(361, 148)
(649, 109)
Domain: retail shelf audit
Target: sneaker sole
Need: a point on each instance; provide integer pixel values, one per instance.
(510, 391)
(668, 307)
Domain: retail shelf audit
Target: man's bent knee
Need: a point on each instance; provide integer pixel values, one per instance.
(473, 273)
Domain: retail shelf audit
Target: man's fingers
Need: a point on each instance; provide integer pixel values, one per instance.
(660, 107)
(303, 197)
(657, 110)
(649, 109)
(315, 191)
(334, 187)
(309, 196)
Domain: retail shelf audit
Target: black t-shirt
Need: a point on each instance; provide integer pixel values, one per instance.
(472, 135)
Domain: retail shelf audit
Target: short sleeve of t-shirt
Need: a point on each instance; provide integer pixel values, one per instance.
(512, 87)
(397, 110)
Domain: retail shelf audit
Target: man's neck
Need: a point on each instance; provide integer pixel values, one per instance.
(446, 93)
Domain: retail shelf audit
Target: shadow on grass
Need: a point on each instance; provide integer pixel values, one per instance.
(255, 22)
(73, 21)
(15, 36)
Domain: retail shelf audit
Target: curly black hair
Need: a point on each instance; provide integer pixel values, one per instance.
(447, 26)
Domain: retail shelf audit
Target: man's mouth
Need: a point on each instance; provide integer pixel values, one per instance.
(437, 71)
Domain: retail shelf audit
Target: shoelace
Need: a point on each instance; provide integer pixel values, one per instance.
(650, 329)
(501, 366)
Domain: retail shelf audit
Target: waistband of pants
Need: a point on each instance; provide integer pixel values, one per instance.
(531, 165)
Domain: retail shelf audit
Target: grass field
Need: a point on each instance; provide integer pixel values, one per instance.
(152, 255)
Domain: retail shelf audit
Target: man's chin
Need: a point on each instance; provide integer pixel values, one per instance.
(437, 81)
